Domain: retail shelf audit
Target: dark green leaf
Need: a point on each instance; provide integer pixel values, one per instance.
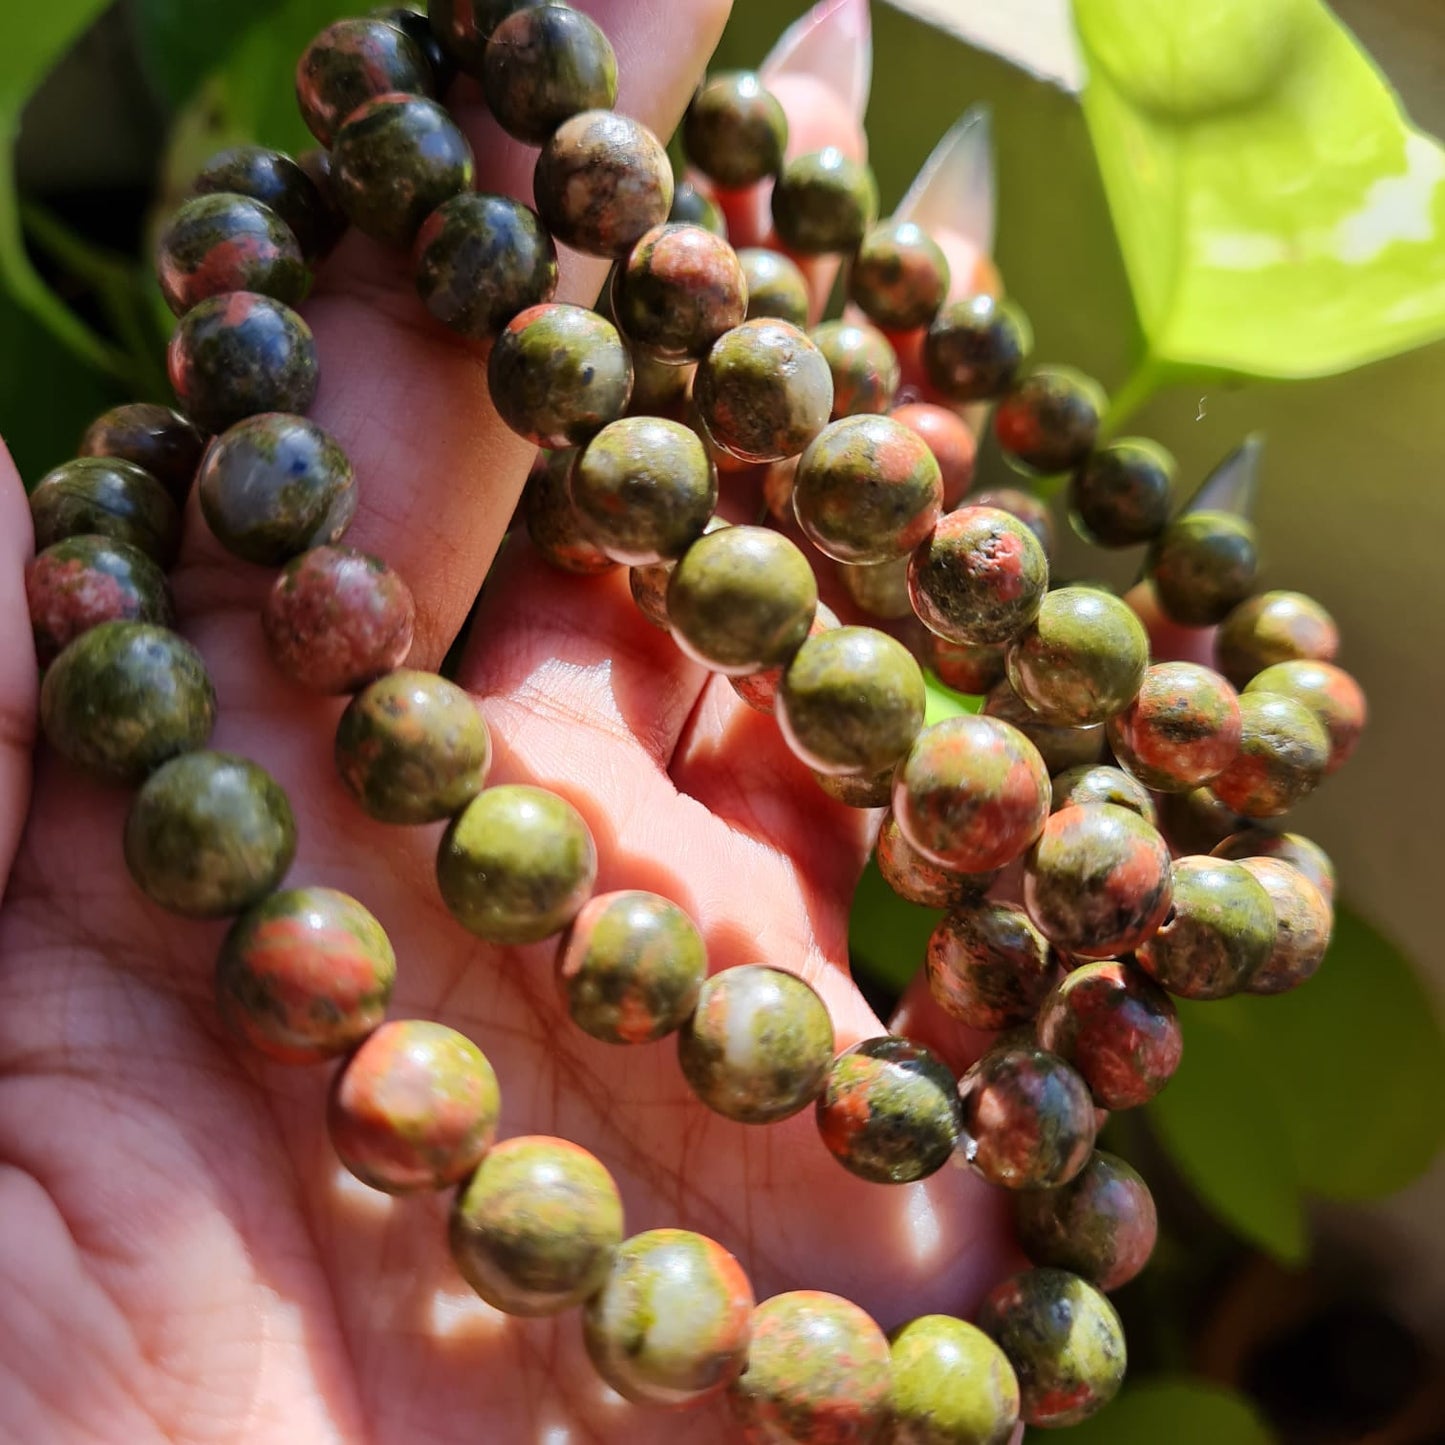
(183, 41)
(1181, 1411)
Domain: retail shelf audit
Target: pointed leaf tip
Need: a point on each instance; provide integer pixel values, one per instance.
(1233, 486)
(955, 188)
(833, 42)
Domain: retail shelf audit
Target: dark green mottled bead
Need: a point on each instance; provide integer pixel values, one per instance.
(274, 486)
(920, 880)
(1195, 822)
(482, 259)
(465, 26)
(1303, 923)
(1096, 783)
(558, 374)
(817, 1373)
(864, 366)
(764, 391)
(516, 864)
(395, 160)
(1203, 565)
(1182, 730)
(412, 748)
(1120, 496)
(82, 581)
(658, 388)
(552, 521)
(209, 834)
(156, 438)
(951, 1385)
(630, 967)
(857, 792)
(775, 286)
(1064, 1341)
(1293, 848)
(239, 355)
(967, 667)
(975, 347)
(1219, 933)
(1263, 630)
(220, 243)
(106, 497)
(305, 975)
(544, 64)
(671, 1323)
(280, 184)
(759, 1046)
(824, 201)
(644, 489)
(350, 63)
(533, 1231)
(899, 277)
(602, 182)
(413, 23)
(851, 701)
(889, 1111)
(1329, 692)
(1028, 507)
(735, 131)
(649, 584)
(1097, 882)
(1049, 421)
(1060, 747)
(1081, 660)
(332, 224)
(1284, 753)
(678, 291)
(878, 588)
(741, 600)
(760, 689)
(988, 966)
(980, 577)
(124, 698)
(692, 207)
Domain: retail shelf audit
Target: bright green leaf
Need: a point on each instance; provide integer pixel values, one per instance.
(887, 936)
(1218, 1121)
(1181, 1411)
(944, 702)
(183, 41)
(1277, 213)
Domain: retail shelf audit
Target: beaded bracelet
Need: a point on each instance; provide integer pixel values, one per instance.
(703, 368)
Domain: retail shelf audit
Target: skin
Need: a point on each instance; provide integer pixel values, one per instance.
(264, 1301)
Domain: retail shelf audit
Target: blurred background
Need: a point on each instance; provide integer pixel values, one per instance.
(1298, 1293)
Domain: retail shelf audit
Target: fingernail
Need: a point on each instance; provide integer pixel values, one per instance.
(1233, 485)
(833, 43)
(955, 188)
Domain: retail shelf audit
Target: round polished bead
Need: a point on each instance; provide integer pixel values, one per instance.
(1049, 421)
(543, 64)
(857, 792)
(1120, 496)
(981, 576)
(659, 388)
(878, 588)
(1195, 822)
(1293, 848)
(106, 497)
(413, 23)
(918, 879)
(760, 689)
(602, 182)
(1064, 1341)
(516, 864)
(220, 243)
(630, 968)
(670, 1324)
(412, 748)
(644, 489)
(305, 975)
(988, 966)
(553, 524)
(464, 26)
(967, 667)
(1096, 783)
(1270, 628)
(209, 834)
(864, 365)
(480, 260)
(735, 131)
(351, 62)
(1028, 1117)
(155, 438)
(414, 1108)
(1303, 923)
(1181, 731)
(277, 182)
(648, 586)
(124, 698)
(678, 291)
(1028, 507)
(775, 287)
(332, 224)
(533, 1231)
(889, 1111)
(1202, 566)
(1118, 1028)
(1060, 747)
(238, 355)
(693, 206)
(1329, 692)
(824, 201)
(949, 438)
(82, 581)
(899, 276)
(273, 486)
(759, 1045)
(975, 347)
(1097, 882)
(558, 374)
(951, 1385)
(1284, 753)
(972, 793)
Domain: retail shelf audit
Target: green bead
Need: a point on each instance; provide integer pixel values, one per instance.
(1303, 923)
(533, 1231)
(741, 599)
(878, 588)
(412, 748)
(1096, 783)
(1049, 421)
(648, 585)
(735, 131)
(1284, 754)
(106, 497)
(1081, 660)
(413, 23)
(988, 966)
(975, 347)
(775, 286)
(516, 864)
(691, 207)
(124, 698)
(351, 62)
(857, 792)
(759, 1046)
(1120, 496)
(465, 26)
(1060, 747)
(1203, 565)
(951, 1385)
(1269, 628)
(1064, 1341)
(156, 438)
(553, 524)
(279, 183)
(209, 834)
(333, 224)
(1181, 731)
(219, 243)
(851, 701)
(918, 879)
(900, 276)
(864, 365)
(544, 64)
(1329, 692)
(824, 201)
(1292, 848)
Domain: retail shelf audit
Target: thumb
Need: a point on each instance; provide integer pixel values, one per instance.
(17, 664)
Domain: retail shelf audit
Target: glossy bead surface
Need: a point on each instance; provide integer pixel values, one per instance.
(949, 438)
(824, 201)
(351, 62)
(209, 834)
(1274, 627)
(1303, 923)
(1049, 421)
(1202, 566)
(760, 689)
(414, 1108)
(857, 792)
(1181, 731)
(533, 1231)
(464, 26)
(678, 291)
(544, 64)
(1195, 822)
(975, 347)
(1284, 753)
(671, 1322)
(735, 131)
(279, 183)
(918, 879)
(899, 276)
(1097, 882)
(630, 967)
(759, 1046)
(105, 497)
(951, 1385)
(880, 588)
(864, 365)
(1293, 848)
(220, 243)
(413, 23)
(516, 864)
(156, 438)
(1095, 783)
(412, 748)
(1118, 1028)
(1329, 692)
(693, 206)
(971, 668)
(124, 698)
(305, 975)
(988, 966)
(648, 586)
(332, 223)
(1060, 747)
(1121, 494)
(552, 522)
(775, 286)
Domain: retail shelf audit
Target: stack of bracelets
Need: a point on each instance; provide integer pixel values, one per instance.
(704, 366)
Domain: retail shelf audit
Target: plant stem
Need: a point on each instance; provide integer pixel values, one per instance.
(1143, 382)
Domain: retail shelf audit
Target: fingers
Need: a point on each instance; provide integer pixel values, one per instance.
(17, 664)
